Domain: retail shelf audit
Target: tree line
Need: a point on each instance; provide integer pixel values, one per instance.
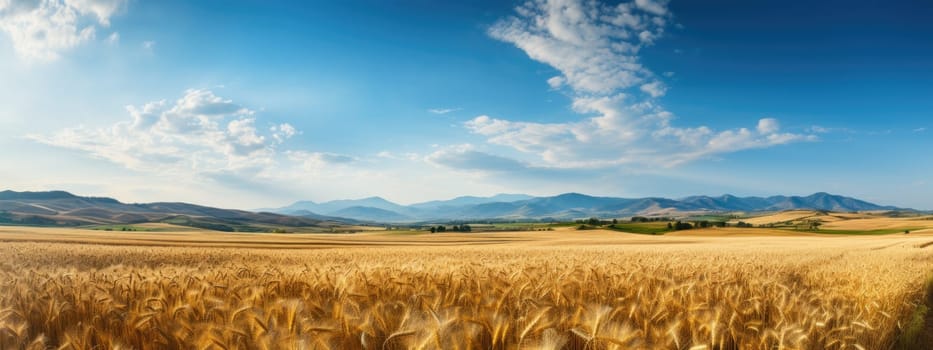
(454, 228)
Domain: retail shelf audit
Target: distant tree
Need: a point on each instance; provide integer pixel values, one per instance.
(810, 225)
(441, 228)
(743, 224)
(433, 229)
(670, 226)
(615, 221)
(906, 232)
(465, 228)
(679, 225)
(593, 221)
(455, 228)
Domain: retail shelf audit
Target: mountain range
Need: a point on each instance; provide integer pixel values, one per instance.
(565, 206)
(61, 208)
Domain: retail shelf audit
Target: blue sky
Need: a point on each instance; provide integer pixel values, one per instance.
(252, 104)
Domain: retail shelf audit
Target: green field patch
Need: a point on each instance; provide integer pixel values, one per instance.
(648, 228)
(712, 218)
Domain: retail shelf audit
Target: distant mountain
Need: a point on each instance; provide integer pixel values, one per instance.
(66, 209)
(471, 200)
(825, 201)
(372, 214)
(571, 206)
(334, 206)
(315, 216)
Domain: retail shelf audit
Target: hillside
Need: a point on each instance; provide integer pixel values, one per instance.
(59, 208)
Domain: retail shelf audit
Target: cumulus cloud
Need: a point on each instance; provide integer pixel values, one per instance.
(595, 47)
(655, 89)
(200, 132)
(655, 7)
(768, 126)
(283, 132)
(41, 30)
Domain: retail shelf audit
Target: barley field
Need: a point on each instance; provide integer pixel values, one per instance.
(75, 289)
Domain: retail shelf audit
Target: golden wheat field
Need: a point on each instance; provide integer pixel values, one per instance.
(75, 289)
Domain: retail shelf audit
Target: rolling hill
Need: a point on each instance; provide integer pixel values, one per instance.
(568, 206)
(61, 208)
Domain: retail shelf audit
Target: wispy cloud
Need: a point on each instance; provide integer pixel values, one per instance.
(466, 157)
(595, 48)
(41, 30)
(819, 129)
(149, 45)
(920, 129)
(443, 110)
(114, 38)
(314, 161)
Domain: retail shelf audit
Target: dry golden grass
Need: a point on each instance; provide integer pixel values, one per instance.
(845, 221)
(790, 215)
(73, 289)
(878, 223)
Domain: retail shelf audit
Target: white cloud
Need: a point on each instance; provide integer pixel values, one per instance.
(114, 38)
(315, 161)
(920, 129)
(443, 110)
(149, 45)
(819, 129)
(656, 7)
(283, 132)
(585, 144)
(466, 157)
(768, 126)
(102, 9)
(595, 47)
(655, 89)
(198, 133)
(41, 30)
